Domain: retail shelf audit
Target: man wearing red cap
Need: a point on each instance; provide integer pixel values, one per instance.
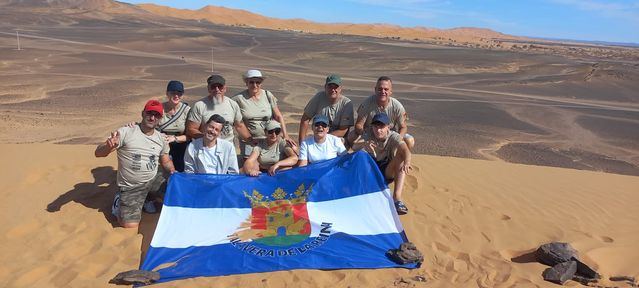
(140, 149)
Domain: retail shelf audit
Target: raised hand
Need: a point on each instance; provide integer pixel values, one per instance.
(114, 140)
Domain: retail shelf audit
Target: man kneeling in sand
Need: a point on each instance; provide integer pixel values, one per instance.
(139, 149)
(391, 154)
(211, 154)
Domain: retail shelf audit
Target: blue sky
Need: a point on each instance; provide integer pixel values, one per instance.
(596, 20)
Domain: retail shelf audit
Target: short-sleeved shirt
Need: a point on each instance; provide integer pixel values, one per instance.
(269, 155)
(255, 113)
(202, 110)
(339, 114)
(329, 149)
(387, 148)
(395, 111)
(138, 156)
(178, 126)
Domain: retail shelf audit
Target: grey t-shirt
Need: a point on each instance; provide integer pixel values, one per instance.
(138, 156)
(270, 155)
(386, 148)
(395, 111)
(255, 114)
(202, 110)
(178, 126)
(339, 114)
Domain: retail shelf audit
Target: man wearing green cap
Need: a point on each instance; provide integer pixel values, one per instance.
(332, 104)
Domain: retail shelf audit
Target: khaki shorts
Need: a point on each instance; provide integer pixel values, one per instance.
(132, 199)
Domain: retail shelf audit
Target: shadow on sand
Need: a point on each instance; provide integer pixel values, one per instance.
(99, 195)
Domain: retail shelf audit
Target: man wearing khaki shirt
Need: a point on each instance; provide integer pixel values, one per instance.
(216, 103)
(332, 104)
(382, 102)
(140, 149)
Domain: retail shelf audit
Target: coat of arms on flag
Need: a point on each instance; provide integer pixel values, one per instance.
(278, 220)
(330, 215)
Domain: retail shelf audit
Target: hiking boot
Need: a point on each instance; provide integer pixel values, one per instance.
(149, 207)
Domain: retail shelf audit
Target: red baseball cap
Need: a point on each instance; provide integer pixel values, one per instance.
(154, 105)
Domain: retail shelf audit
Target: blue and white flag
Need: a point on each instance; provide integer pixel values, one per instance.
(329, 215)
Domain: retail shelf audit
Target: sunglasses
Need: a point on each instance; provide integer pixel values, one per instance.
(216, 86)
(176, 93)
(276, 131)
(256, 82)
(152, 113)
(321, 124)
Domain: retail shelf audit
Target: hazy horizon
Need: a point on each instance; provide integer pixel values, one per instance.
(612, 22)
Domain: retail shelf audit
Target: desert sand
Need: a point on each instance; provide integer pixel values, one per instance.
(472, 219)
(572, 110)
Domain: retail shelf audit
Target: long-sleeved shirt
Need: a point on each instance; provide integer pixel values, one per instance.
(219, 159)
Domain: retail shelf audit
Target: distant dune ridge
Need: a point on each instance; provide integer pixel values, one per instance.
(227, 16)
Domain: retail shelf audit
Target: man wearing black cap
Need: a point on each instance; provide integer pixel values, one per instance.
(391, 155)
(216, 103)
(337, 108)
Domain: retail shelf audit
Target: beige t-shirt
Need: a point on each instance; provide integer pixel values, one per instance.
(178, 126)
(395, 111)
(255, 114)
(138, 156)
(339, 114)
(202, 110)
(270, 155)
(388, 147)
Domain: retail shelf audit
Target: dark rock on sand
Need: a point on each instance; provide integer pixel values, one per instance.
(554, 253)
(561, 272)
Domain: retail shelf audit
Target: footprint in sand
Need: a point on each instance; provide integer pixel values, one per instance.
(412, 183)
(505, 217)
(606, 239)
(440, 189)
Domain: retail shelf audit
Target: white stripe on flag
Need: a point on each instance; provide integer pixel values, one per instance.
(368, 214)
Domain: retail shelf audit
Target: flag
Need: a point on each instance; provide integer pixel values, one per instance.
(333, 214)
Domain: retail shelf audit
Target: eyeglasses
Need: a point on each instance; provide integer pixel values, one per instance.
(276, 131)
(321, 124)
(175, 93)
(256, 82)
(216, 86)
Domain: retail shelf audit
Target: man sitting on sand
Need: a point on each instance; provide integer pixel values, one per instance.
(382, 102)
(210, 153)
(390, 153)
(140, 148)
(321, 145)
(332, 104)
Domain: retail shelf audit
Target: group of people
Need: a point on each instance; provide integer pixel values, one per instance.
(200, 139)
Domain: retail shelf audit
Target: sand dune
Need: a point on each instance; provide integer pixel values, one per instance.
(473, 219)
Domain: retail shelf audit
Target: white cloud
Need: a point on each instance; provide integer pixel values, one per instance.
(628, 11)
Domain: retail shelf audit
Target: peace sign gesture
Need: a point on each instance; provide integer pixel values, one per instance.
(114, 140)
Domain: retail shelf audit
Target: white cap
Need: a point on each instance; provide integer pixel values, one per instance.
(253, 74)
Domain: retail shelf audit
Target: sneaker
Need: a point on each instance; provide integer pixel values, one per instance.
(401, 207)
(149, 207)
(115, 207)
